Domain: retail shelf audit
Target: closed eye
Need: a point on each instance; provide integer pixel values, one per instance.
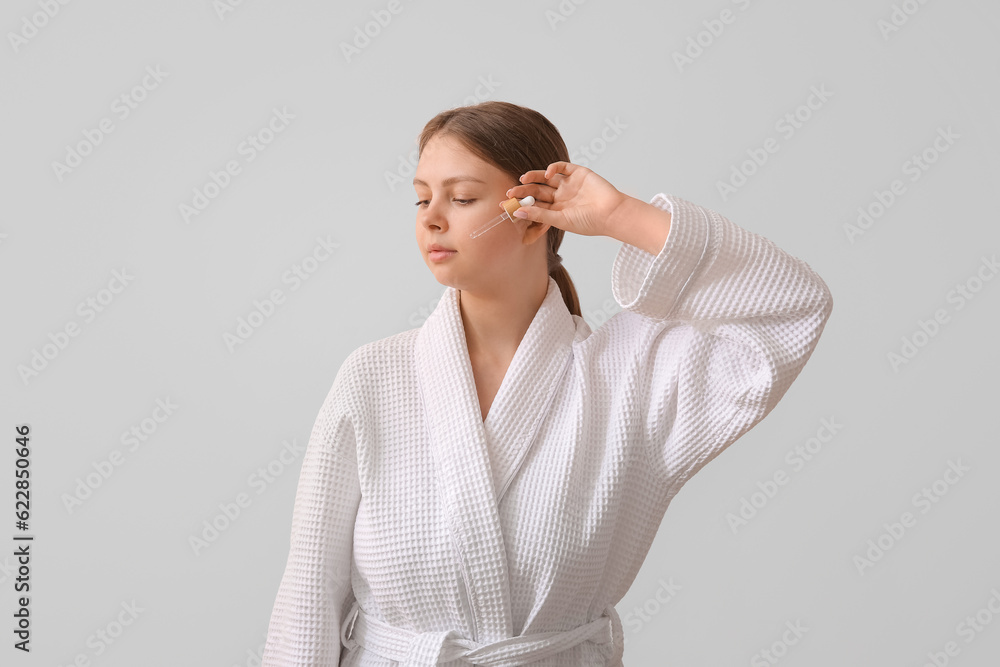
(464, 202)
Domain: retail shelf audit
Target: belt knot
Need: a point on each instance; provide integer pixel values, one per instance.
(418, 649)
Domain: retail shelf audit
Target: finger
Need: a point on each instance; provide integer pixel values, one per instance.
(540, 191)
(533, 176)
(537, 214)
(560, 168)
(547, 175)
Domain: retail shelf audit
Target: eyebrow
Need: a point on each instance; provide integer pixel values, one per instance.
(453, 179)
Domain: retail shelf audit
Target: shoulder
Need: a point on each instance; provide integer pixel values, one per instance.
(369, 366)
(355, 396)
(380, 355)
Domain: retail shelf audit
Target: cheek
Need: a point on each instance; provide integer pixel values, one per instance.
(493, 247)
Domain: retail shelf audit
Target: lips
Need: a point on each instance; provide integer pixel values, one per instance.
(435, 247)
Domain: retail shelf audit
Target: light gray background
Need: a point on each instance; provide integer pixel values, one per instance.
(682, 131)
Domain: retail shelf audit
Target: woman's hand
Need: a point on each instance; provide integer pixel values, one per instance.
(569, 197)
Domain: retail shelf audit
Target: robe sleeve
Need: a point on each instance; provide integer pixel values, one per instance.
(728, 320)
(315, 592)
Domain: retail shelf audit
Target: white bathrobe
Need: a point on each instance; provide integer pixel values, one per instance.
(422, 535)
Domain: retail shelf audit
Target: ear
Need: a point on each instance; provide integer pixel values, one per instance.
(533, 231)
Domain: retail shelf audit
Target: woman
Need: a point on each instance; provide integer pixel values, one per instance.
(484, 488)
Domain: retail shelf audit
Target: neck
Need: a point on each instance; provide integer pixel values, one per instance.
(496, 322)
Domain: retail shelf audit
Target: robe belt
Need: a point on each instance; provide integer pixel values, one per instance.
(418, 649)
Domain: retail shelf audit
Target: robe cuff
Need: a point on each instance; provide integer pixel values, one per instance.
(651, 285)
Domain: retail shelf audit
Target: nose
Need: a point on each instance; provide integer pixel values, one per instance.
(432, 216)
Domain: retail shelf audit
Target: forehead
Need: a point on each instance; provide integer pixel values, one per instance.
(445, 161)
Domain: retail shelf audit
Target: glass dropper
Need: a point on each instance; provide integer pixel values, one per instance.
(509, 207)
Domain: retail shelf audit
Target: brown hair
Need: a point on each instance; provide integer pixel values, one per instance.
(514, 139)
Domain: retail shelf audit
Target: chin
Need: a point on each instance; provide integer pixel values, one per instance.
(443, 277)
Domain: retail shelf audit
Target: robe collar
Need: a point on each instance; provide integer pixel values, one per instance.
(460, 440)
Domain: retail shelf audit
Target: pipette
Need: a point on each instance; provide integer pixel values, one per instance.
(509, 207)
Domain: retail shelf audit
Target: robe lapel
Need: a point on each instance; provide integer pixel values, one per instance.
(530, 385)
(460, 441)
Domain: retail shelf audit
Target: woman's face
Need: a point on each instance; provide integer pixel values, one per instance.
(457, 192)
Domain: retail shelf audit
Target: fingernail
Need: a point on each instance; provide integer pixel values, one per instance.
(520, 214)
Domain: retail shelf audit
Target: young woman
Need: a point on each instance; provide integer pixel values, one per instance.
(483, 489)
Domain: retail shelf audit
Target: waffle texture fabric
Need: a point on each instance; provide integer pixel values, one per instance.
(424, 535)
